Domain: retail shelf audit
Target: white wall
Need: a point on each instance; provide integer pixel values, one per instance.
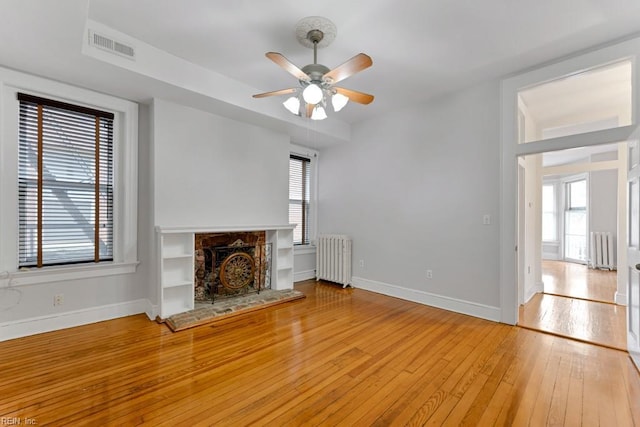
(411, 188)
(210, 170)
(603, 198)
(304, 265)
(533, 227)
(195, 169)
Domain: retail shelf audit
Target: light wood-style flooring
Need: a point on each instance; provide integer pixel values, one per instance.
(568, 310)
(339, 357)
(578, 281)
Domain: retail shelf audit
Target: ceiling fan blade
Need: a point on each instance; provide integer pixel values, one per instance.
(309, 111)
(349, 68)
(276, 92)
(288, 66)
(355, 96)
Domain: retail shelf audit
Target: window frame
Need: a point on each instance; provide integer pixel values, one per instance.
(93, 130)
(567, 210)
(303, 203)
(125, 153)
(312, 220)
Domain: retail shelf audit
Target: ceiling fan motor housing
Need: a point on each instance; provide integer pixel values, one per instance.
(315, 73)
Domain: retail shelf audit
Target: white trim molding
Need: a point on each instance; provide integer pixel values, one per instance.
(433, 300)
(54, 274)
(537, 289)
(620, 298)
(69, 319)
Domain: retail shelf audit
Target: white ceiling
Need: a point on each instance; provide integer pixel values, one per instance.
(420, 49)
(592, 96)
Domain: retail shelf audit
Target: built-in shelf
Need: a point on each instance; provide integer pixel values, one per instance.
(176, 273)
(176, 284)
(176, 262)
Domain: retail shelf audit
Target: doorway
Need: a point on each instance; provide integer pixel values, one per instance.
(573, 195)
(577, 193)
(617, 121)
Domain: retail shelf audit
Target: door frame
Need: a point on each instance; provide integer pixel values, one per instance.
(511, 150)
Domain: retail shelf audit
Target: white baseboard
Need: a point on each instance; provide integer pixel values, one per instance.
(152, 311)
(69, 319)
(620, 298)
(446, 303)
(529, 293)
(299, 276)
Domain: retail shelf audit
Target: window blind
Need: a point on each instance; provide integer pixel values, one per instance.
(65, 180)
(299, 196)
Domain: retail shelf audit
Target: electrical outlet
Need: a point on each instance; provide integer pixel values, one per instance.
(486, 219)
(58, 299)
(361, 263)
(429, 274)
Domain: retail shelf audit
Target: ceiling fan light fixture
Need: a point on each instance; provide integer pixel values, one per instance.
(338, 101)
(318, 113)
(312, 94)
(292, 104)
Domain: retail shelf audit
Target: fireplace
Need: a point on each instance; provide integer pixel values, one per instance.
(230, 264)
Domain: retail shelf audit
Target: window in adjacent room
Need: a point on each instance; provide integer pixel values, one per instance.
(299, 197)
(65, 181)
(575, 221)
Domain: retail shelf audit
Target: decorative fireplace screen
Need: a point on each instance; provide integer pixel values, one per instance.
(225, 271)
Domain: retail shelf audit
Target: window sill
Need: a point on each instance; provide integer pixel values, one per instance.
(304, 249)
(36, 276)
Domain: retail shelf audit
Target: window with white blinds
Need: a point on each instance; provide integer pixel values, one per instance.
(65, 181)
(299, 197)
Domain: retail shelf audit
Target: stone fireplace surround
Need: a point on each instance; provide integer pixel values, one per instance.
(177, 261)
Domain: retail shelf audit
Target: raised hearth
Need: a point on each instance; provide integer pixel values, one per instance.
(205, 313)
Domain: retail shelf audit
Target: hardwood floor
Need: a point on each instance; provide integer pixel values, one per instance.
(590, 321)
(567, 308)
(578, 281)
(339, 357)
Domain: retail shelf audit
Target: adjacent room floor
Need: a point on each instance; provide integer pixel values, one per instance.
(578, 303)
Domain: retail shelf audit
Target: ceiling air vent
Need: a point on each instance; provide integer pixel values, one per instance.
(110, 45)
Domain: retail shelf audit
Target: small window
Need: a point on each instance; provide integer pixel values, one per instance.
(299, 197)
(575, 222)
(65, 181)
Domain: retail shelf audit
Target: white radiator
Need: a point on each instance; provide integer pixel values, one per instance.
(602, 250)
(333, 258)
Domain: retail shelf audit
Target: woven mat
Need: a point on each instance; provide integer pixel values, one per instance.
(223, 309)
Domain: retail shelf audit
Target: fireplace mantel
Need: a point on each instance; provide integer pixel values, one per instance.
(176, 261)
(223, 229)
